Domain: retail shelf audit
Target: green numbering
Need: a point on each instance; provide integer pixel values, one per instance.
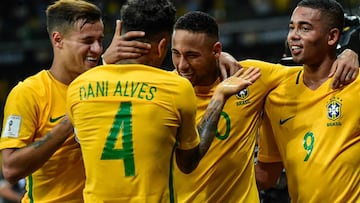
(122, 122)
(228, 127)
(308, 146)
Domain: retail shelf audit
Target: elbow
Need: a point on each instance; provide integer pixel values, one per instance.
(264, 184)
(267, 175)
(10, 176)
(11, 171)
(187, 160)
(188, 168)
(188, 165)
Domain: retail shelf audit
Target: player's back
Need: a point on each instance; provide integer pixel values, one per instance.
(127, 118)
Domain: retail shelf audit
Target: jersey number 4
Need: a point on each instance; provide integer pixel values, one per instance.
(122, 123)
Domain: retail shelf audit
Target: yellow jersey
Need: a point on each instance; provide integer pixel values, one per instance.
(316, 134)
(128, 120)
(226, 173)
(32, 109)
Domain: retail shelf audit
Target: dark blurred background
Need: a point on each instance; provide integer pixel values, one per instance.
(248, 29)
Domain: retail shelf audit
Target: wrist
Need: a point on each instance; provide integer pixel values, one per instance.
(219, 96)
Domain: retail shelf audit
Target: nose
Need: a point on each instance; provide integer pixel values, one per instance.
(183, 65)
(293, 34)
(97, 47)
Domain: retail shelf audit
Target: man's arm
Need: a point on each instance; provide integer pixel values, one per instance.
(125, 47)
(267, 174)
(189, 159)
(208, 124)
(8, 193)
(228, 65)
(19, 163)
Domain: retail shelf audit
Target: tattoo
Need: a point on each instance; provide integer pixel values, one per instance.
(39, 143)
(208, 125)
(64, 121)
(65, 126)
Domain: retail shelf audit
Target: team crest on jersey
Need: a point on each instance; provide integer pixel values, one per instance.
(334, 111)
(242, 95)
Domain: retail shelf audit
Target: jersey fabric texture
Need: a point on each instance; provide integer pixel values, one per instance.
(317, 134)
(128, 119)
(32, 109)
(226, 172)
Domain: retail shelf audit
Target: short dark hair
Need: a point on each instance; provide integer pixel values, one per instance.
(63, 14)
(154, 17)
(198, 22)
(331, 9)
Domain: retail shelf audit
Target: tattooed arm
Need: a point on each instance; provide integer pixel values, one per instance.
(208, 124)
(18, 163)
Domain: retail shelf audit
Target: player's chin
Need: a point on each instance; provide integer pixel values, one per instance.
(193, 81)
(298, 60)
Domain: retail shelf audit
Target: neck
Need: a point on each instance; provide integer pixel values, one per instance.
(146, 59)
(60, 73)
(131, 61)
(316, 75)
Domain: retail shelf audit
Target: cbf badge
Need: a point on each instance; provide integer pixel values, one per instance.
(243, 94)
(334, 108)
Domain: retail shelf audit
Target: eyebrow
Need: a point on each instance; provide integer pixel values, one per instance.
(301, 23)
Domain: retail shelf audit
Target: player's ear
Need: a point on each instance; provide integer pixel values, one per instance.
(162, 47)
(56, 38)
(217, 49)
(334, 36)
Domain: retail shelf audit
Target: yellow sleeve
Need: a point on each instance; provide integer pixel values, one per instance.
(268, 150)
(188, 136)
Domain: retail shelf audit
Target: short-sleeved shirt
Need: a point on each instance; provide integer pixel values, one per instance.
(33, 107)
(128, 120)
(226, 173)
(316, 133)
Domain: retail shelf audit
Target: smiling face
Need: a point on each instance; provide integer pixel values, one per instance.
(195, 56)
(82, 46)
(308, 36)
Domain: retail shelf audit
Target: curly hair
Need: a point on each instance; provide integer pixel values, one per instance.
(154, 17)
(198, 22)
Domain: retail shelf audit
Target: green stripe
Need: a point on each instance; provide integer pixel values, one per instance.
(171, 179)
(298, 77)
(30, 192)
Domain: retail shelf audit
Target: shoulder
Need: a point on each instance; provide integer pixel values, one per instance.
(263, 65)
(257, 63)
(34, 84)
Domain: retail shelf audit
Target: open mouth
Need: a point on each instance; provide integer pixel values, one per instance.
(93, 61)
(295, 49)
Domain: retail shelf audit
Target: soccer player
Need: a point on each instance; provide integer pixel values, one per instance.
(132, 118)
(37, 141)
(226, 173)
(309, 128)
